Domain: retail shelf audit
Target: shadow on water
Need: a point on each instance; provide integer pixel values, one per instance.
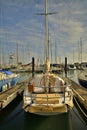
(7, 114)
(56, 122)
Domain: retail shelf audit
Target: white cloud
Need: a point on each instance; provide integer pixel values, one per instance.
(65, 27)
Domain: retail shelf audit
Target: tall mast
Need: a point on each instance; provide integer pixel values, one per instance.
(47, 64)
(46, 29)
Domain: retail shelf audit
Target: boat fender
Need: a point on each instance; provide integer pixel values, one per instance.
(61, 83)
(31, 87)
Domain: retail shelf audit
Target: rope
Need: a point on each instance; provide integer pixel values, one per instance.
(79, 117)
(77, 114)
(80, 108)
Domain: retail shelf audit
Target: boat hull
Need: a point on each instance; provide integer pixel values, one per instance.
(8, 83)
(15, 80)
(46, 110)
(46, 104)
(83, 82)
(46, 95)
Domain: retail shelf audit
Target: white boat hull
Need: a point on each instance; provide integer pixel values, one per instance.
(44, 101)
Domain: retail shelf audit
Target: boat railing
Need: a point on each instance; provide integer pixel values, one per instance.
(48, 89)
(45, 98)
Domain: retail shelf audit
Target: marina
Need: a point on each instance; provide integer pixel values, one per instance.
(43, 65)
(6, 97)
(14, 114)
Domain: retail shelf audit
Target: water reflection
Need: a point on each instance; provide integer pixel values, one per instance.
(10, 109)
(81, 110)
(9, 115)
(61, 122)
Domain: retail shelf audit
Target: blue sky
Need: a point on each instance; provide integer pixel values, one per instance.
(19, 23)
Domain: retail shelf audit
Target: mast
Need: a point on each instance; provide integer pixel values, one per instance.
(80, 50)
(17, 53)
(47, 63)
(55, 53)
(46, 29)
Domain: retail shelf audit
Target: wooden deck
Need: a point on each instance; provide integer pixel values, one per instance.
(9, 95)
(47, 109)
(47, 98)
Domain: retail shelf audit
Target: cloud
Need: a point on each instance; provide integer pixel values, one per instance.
(19, 23)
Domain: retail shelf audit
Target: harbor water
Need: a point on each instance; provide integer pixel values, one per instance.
(13, 117)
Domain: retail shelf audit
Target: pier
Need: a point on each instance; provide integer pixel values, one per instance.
(9, 95)
(80, 93)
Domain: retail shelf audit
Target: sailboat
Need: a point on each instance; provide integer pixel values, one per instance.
(46, 93)
(8, 79)
(82, 78)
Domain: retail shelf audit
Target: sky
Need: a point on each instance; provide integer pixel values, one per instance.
(22, 27)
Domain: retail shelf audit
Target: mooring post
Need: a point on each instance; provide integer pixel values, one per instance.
(65, 66)
(33, 66)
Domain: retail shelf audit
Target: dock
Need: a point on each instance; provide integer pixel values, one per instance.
(80, 93)
(9, 95)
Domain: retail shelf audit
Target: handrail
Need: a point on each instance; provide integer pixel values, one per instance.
(46, 95)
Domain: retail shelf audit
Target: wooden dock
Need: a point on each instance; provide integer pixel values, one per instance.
(9, 95)
(80, 93)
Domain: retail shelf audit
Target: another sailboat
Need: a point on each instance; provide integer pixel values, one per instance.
(7, 80)
(47, 94)
(82, 78)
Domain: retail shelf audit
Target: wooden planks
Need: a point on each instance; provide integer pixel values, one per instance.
(9, 95)
(47, 98)
(47, 109)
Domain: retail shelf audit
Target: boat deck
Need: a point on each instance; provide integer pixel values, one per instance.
(41, 109)
(44, 102)
(45, 108)
(47, 98)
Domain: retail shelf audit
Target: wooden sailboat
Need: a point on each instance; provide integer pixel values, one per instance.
(47, 94)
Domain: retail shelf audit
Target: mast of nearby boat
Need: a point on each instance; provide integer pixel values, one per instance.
(1, 56)
(80, 50)
(51, 51)
(17, 53)
(55, 53)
